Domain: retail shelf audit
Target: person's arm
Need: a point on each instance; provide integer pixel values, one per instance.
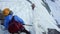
(5, 24)
(6, 21)
(19, 20)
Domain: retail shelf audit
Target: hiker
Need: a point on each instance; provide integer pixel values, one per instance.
(33, 6)
(13, 23)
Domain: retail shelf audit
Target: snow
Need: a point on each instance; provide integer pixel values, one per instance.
(55, 9)
(39, 17)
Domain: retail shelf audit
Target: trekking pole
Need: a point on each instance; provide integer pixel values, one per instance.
(27, 24)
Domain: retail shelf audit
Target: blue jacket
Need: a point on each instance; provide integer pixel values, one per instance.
(9, 17)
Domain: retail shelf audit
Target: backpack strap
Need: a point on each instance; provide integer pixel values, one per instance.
(11, 19)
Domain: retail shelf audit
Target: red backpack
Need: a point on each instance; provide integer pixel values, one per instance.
(14, 26)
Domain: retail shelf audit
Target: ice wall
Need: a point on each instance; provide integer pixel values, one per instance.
(39, 17)
(55, 9)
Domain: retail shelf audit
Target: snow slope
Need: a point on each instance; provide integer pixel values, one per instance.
(39, 17)
(55, 9)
